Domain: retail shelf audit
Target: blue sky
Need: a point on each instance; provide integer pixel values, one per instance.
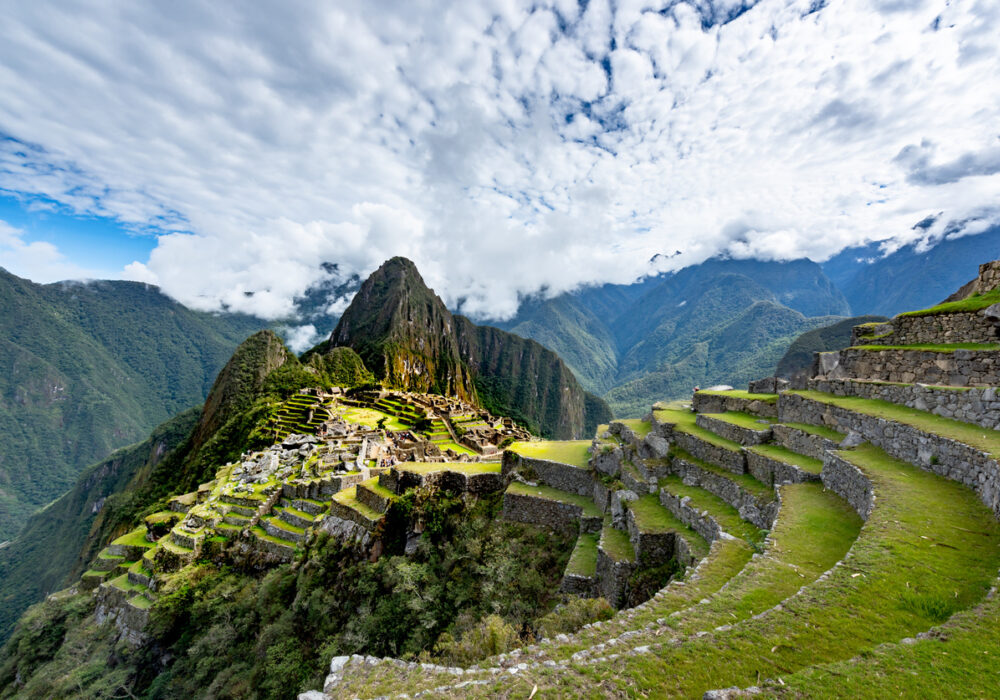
(227, 150)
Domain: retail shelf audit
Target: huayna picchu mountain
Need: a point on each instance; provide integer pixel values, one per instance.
(411, 341)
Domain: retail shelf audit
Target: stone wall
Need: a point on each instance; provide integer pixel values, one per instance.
(848, 482)
(939, 328)
(574, 584)
(774, 472)
(719, 403)
(547, 513)
(702, 523)
(564, 477)
(756, 510)
(736, 433)
(977, 405)
(957, 368)
(949, 458)
(732, 460)
(650, 548)
(989, 276)
(612, 578)
(802, 442)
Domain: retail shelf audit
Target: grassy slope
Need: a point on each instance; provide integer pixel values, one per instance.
(572, 452)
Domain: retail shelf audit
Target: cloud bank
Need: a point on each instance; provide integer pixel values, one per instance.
(507, 147)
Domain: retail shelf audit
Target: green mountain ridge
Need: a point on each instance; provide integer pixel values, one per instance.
(86, 368)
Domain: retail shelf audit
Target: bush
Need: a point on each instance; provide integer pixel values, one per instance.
(574, 614)
(490, 636)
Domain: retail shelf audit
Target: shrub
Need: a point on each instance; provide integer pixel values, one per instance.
(490, 636)
(574, 614)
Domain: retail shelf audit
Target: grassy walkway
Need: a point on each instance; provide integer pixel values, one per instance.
(572, 452)
(929, 549)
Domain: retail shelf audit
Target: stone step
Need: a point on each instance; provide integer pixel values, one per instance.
(658, 536)
(763, 405)
(295, 517)
(744, 428)
(704, 512)
(755, 502)
(346, 506)
(580, 576)
(977, 405)
(279, 529)
(377, 497)
(975, 365)
(543, 505)
(809, 440)
(774, 464)
(966, 453)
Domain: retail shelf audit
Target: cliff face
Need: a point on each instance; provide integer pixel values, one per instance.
(406, 335)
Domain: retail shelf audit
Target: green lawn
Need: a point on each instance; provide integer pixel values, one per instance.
(746, 481)
(370, 417)
(931, 347)
(973, 435)
(551, 494)
(743, 420)
(616, 544)
(684, 421)
(136, 538)
(348, 497)
(651, 517)
(736, 393)
(818, 430)
(572, 452)
(583, 560)
(724, 514)
(463, 467)
(640, 427)
(974, 303)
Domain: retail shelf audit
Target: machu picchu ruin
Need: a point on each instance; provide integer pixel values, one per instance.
(834, 535)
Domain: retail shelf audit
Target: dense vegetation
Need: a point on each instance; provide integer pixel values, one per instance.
(88, 368)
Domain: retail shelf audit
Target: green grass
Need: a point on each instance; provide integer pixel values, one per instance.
(743, 420)
(818, 430)
(583, 560)
(931, 347)
(459, 449)
(782, 454)
(572, 452)
(616, 544)
(282, 525)
(260, 533)
(547, 492)
(684, 421)
(928, 550)
(640, 427)
(348, 497)
(370, 417)
(141, 602)
(372, 485)
(724, 514)
(737, 394)
(971, 304)
(746, 481)
(972, 435)
(462, 467)
(136, 538)
(651, 517)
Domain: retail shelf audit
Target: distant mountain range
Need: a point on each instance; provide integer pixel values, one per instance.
(88, 367)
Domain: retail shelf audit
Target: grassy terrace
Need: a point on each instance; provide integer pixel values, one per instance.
(783, 454)
(370, 417)
(462, 467)
(136, 538)
(749, 484)
(974, 303)
(928, 550)
(547, 492)
(973, 435)
(818, 430)
(282, 525)
(261, 534)
(583, 560)
(743, 420)
(651, 517)
(348, 497)
(616, 544)
(572, 452)
(931, 347)
(684, 421)
(459, 449)
(724, 514)
(737, 394)
(373, 485)
(640, 427)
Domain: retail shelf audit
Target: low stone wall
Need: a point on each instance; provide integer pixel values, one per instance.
(802, 442)
(718, 403)
(774, 472)
(282, 534)
(702, 523)
(574, 584)
(758, 511)
(280, 552)
(958, 368)
(564, 477)
(731, 431)
(940, 328)
(650, 548)
(949, 458)
(547, 513)
(713, 454)
(848, 482)
(612, 578)
(398, 479)
(977, 405)
(372, 499)
(602, 496)
(344, 512)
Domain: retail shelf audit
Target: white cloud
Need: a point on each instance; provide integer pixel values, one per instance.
(507, 147)
(40, 261)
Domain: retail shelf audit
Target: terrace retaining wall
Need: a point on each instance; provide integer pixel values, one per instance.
(800, 441)
(956, 368)
(537, 510)
(720, 403)
(848, 482)
(558, 475)
(702, 523)
(758, 511)
(939, 328)
(773, 471)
